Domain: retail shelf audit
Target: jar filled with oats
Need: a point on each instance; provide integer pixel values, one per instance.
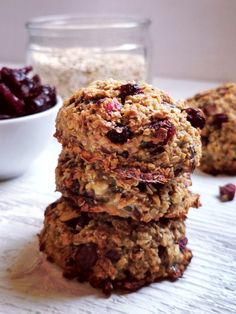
(72, 51)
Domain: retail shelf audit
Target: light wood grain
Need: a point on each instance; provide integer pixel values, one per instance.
(29, 284)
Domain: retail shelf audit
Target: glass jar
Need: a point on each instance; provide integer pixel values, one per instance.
(73, 51)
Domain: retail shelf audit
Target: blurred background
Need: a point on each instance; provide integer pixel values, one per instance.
(191, 39)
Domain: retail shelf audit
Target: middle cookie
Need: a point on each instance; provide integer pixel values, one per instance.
(94, 190)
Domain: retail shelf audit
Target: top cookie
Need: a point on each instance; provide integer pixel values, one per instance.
(218, 135)
(136, 130)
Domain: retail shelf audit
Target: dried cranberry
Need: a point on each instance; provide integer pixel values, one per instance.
(136, 213)
(12, 104)
(209, 109)
(152, 147)
(113, 255)
(107, 288)
(161, 251)
(125, 154)
(42, 101)
(157, 186)
(142, 186)
(129, 90)
(195, 117)
(119, 135)
(69, 274)
(18, 82)
(86, 256)
(205, 140)
(146, 177)
(164, 131)
(81, 221)
(134, 285)
(4, 116)
(22, 95)
(227, 192)
(75, 187)
(112, 106)
(164, 221)
(218, 119)
(178, 171)
(182, 244)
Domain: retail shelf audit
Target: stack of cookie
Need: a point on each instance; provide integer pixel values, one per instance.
(124, 172)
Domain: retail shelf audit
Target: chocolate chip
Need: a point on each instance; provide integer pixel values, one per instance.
(113, 255)
(227, 192)
(218, 119)
(86, 255)
(195, 117)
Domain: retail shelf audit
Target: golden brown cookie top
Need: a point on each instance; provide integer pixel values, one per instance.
(134, 125)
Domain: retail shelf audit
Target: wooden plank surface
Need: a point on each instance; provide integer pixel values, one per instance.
(29, 284)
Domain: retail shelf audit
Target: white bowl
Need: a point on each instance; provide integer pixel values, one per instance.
(23, 139)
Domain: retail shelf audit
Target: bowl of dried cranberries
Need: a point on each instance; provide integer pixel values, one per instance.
(27, 114)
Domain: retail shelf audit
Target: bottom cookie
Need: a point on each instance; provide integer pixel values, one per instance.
(111, 252)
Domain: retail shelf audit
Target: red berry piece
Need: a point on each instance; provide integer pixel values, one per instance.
(164, 131)
(129, 90)
(195, 117)
(119, 135)
(112, 106)
(12, 104)
(42, 101)
(227, 192)
(4, 116)
(81, 221)
(113, 255)
(218, 119)
(22, 95)
(182, 244)
(16, 80)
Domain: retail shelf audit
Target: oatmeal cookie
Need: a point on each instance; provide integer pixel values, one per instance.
(218, 135)
(95, 190)
(135, 130)
(112, 252)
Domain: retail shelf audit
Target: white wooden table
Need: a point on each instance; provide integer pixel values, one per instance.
(29, 284)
